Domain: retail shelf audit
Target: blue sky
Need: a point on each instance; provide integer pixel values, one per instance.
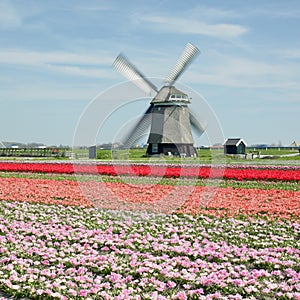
(56, 56)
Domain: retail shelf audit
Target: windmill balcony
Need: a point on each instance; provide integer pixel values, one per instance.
(179, 98)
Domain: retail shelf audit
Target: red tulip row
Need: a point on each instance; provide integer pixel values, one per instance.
(155, 170)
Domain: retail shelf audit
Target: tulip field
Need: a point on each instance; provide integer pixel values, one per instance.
(149, 231)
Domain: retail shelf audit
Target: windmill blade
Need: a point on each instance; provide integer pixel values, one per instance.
(129, 71)
(198, 126)
(188, 55)
(139, 129)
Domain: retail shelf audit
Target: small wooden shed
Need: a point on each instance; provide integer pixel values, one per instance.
(92, 152)
(235, 146)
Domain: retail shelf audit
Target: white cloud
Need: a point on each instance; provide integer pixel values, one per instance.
(49, 91)
(63, 62)
(27, 57)
(284, 10)
(94, 7)
(290, 53)
(184, 25)
(241, 72)
(9, 18)
(213, 13)
(80, 71)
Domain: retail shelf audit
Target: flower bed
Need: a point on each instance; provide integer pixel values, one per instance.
(57, 252)
(194, 200)
(227, 172)
(62, 238)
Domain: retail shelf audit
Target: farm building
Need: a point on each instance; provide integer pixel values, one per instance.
(235, 146)
(295, 144)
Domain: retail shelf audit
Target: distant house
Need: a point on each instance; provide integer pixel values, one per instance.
(235, 146)
(295, 144)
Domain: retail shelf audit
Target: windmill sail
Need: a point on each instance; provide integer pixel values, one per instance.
(139, 129)
(129, 71)
(198, 127)
(189, 54)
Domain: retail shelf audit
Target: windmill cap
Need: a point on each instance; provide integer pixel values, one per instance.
(170, 94)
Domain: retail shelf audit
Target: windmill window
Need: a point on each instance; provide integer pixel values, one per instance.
(154, 148)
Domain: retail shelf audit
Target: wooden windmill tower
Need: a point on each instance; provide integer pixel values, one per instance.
(168, 115)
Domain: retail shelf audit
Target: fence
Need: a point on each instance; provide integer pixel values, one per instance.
(31, 152)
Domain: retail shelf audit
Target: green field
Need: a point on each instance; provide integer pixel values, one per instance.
(205, 156)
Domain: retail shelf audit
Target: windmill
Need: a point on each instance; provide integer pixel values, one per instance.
(168, 115)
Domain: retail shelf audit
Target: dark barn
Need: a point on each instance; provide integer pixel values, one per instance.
(235, 146)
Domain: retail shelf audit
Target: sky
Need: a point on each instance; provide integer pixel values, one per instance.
(56, 59)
